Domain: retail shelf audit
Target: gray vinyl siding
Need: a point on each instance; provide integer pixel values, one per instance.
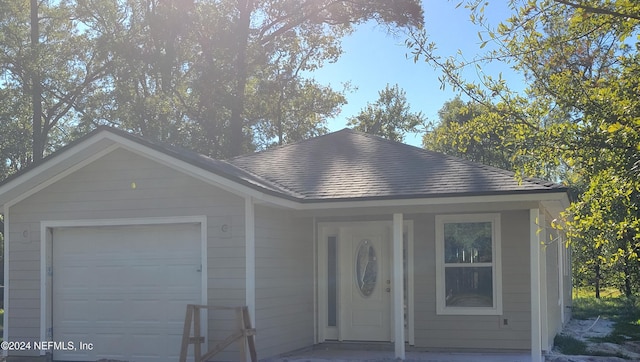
(471, 331)
(284, 282)
(102, 190)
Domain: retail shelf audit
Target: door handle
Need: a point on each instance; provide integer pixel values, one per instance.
(388, 290)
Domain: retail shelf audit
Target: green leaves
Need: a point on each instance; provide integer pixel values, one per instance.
(578, 120)
(190, 73)
(389, 117)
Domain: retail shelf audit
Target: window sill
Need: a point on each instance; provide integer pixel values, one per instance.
(469, 311)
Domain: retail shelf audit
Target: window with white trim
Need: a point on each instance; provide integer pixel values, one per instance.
(468, 264)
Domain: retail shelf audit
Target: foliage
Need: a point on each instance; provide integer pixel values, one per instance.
(389, 117)
(45, 75)
(625, 312)
(569, 345)
(577, 120)
(267, 25)
(220, 77)
(456, 134)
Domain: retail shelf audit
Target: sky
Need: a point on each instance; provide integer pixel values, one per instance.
(372, 59)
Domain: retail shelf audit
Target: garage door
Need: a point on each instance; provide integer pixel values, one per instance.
(124, 289)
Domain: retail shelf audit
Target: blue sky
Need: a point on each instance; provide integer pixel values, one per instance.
(372, 59)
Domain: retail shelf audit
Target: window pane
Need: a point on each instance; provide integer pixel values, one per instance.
(366, 268)
(332, 281)
(469, 287)
(468, 242)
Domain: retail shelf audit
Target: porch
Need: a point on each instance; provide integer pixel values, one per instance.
(378, 351)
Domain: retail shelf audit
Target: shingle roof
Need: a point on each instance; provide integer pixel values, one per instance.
(348, 165)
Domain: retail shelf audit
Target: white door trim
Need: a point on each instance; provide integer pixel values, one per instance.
(327, 229)
(45, 254)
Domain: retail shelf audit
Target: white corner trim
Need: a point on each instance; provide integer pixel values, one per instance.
(250, 258)
(544, 308)
(314, 238)
(398, 286)
(6, 279)
(534, 249)
(50, 224)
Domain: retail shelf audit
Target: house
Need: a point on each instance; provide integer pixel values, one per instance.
(346, 237)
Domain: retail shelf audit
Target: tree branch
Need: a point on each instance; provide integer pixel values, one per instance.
(595, 10)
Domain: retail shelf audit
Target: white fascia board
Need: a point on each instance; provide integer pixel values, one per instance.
(51, 164)
(199, 173)
(142, 150)
(59, 176)
(537, 197)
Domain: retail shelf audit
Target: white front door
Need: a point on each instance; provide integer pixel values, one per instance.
(365, 283)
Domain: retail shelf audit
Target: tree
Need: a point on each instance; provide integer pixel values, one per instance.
(48, 66)
(389, 117)
(291, 111)
(456, 134)
(226, 77)
(220, 77)
(579, 116)
(278, 20)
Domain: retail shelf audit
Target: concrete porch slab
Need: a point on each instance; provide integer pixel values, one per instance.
(348, 352)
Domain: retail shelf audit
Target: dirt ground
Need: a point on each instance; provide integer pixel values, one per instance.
(586, 330)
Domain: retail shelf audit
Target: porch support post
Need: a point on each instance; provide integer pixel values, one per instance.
(7, 240)
(398, 286)
(250, 258)
(534, 245)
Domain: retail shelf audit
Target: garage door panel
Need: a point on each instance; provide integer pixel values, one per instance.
(124, 289)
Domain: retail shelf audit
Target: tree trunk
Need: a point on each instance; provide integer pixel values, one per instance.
(598, 280)
(627, 279)
(237, 138)
(39, 136)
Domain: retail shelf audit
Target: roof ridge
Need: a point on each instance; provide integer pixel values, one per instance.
(286, 145)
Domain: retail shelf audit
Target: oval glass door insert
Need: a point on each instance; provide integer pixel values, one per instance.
(366, 268)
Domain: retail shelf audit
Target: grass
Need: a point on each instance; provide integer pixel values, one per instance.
(569, 345)
(612, 305)
(625, 312)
